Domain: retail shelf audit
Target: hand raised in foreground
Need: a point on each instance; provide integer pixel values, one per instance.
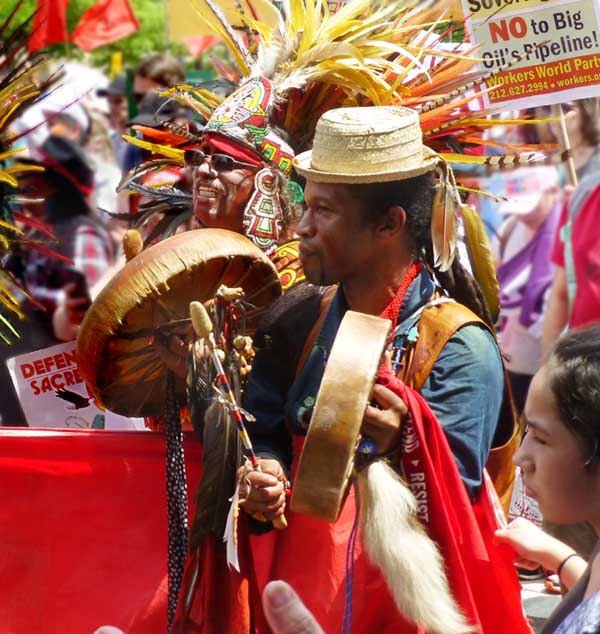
(285, 612)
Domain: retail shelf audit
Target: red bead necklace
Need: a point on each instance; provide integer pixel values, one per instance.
(392, 310)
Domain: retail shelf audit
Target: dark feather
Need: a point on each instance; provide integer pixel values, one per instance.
(221, 453)
(144, 168)
(166, 227)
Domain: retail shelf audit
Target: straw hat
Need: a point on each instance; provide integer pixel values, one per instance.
(366, 145)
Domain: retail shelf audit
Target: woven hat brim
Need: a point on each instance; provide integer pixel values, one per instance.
(302, 165)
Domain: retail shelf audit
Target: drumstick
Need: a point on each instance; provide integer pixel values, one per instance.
(204, 329)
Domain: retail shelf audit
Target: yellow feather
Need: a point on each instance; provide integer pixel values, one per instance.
(10, 301)
(11, 227)
(481, 259)
(10, 153)
(467, 159)
(257, 25)
(310, 27)
(8, 179)
(205, 11)
(155, 148)
(17, 169)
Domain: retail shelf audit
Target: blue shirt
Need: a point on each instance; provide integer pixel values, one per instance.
(464, 389)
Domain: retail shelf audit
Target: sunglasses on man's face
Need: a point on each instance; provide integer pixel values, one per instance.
(218, 162)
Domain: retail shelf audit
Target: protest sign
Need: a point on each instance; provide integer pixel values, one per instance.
(560, 42)
(51, 390)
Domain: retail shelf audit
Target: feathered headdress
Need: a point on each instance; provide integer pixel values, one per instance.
(19, 88)
(369, 52)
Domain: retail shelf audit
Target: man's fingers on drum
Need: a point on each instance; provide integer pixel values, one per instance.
(177, 345)
(388, 400)
(177, 364)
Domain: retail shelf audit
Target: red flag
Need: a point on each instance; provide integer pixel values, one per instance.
(49, 24)
(83, 527)
(105, 22)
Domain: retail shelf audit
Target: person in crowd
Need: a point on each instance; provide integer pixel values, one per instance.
(560, 461)
(72, 121)
(88, 130)
(158, 70)
(367, 228)
(575, 294)
(118, 114)
(107, 174)
(63, 188)
(148, 124)
(58, 289)
(522, 250)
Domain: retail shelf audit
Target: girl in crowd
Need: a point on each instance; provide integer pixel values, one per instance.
(560, 459)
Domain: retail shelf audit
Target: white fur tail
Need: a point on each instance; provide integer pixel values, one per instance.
(409, 560)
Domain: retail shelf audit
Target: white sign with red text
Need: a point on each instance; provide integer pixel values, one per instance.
(52, 391)
(558, 41)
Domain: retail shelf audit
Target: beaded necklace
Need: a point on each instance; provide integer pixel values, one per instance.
(392, 310)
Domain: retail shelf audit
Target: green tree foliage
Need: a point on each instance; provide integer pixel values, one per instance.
(151, 36)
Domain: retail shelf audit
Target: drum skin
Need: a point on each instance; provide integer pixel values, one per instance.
(116, 357)
(327, 458)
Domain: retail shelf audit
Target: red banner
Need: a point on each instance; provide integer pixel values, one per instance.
(49, 24)
(83, 526)
(103, 23)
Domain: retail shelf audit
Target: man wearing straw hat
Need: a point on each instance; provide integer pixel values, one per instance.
(367, 227)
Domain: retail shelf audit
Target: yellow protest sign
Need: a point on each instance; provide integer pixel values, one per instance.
(559, 42)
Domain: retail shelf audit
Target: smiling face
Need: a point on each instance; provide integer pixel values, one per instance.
(552, 459)
(220, 198)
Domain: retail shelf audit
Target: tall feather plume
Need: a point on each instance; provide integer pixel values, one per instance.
(392, 535)
(367, 52)
(481, 258)
(19, 88)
